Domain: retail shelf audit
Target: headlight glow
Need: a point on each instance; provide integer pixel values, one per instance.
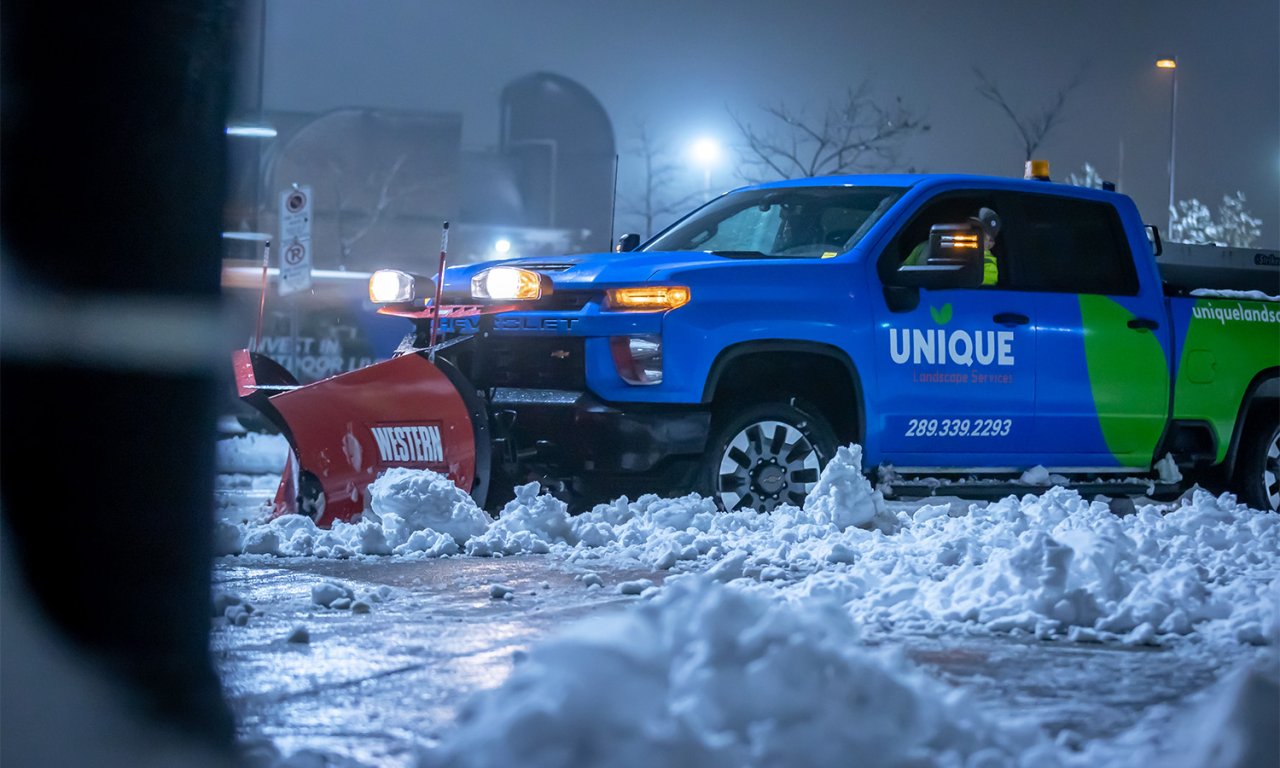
(649, 298)
(391, 286)
(507, 283)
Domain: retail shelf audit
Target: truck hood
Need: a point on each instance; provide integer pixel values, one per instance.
(598, 268)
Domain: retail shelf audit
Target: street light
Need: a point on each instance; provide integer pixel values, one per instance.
(252, 131)
(1171, 64)
(705, 153)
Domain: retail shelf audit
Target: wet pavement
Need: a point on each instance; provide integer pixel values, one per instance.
(1075, 692)
(371, 686)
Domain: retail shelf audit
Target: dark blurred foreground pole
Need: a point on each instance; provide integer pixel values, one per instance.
(110, 346)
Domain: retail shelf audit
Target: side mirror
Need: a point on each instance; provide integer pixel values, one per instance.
(1153, 235)
(628, 242)
(953, 259)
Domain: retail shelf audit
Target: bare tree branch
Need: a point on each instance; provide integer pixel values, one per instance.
(1035, 127)
(387, 195)
(656, 198)
(852, 135)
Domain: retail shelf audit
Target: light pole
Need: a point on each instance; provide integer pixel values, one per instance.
(705, 153)
(1171, 64)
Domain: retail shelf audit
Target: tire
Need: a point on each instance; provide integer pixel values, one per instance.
(310, 497)
(1258, 473)
(765, 454)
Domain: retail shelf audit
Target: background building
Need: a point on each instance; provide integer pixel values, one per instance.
(383, 181)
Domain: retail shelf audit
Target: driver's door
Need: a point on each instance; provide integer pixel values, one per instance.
(955, 372)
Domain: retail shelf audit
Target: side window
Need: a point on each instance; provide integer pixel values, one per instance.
(1064, 245)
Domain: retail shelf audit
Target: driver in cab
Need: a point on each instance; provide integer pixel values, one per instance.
(989, 221)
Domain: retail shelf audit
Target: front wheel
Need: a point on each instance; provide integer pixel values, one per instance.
(1258, 475)
(766, 454)
(311, 499)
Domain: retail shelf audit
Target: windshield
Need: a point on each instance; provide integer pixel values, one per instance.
(794, 222)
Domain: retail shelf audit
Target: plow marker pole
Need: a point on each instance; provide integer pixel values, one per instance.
(435, 305)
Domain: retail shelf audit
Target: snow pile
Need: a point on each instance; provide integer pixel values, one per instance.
(1223, 293)
(843, 496)
(298, 536)
(529, 524)
(412, 513)
(1058, 564)
(708, 675)
(1054, 564)
(252, 453)
(417, 502)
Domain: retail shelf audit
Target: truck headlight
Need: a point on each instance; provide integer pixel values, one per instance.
(647, 298)
(637, 358)
(509, 283)
(391, 286)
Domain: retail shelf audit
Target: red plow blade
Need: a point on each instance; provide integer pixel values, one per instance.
(347, 429)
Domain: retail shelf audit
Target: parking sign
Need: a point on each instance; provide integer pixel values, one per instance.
(295, 239)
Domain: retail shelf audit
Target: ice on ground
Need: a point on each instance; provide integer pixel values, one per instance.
(708, 675)
(1235, 725)
(1230, 724)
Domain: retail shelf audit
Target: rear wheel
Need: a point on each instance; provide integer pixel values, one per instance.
(1258, 474)
(766, 454)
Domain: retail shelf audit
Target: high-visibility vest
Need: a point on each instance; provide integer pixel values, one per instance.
(990, 268)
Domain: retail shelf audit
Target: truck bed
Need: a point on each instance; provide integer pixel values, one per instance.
(1184, 267)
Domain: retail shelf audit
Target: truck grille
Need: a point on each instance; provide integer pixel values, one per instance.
(541, 362)
(558, 301)
(564, 301)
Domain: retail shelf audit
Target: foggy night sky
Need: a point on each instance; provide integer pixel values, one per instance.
(681, 66)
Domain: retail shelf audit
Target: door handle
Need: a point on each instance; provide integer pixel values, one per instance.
(1143, 323)
(1011, 319)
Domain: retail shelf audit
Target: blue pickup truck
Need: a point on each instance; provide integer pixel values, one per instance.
(732, 353)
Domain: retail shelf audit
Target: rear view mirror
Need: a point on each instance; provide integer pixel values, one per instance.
(952, 259)
(1153, 236)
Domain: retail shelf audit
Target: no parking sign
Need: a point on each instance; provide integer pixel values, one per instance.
(295, 240)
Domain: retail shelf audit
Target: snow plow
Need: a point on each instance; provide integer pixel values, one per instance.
(344, 430)
(413, 411)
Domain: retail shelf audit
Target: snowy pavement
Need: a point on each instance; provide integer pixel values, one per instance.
(1041, 629)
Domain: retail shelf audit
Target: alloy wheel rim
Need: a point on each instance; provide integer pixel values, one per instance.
(1271, 472)
(766, 464)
